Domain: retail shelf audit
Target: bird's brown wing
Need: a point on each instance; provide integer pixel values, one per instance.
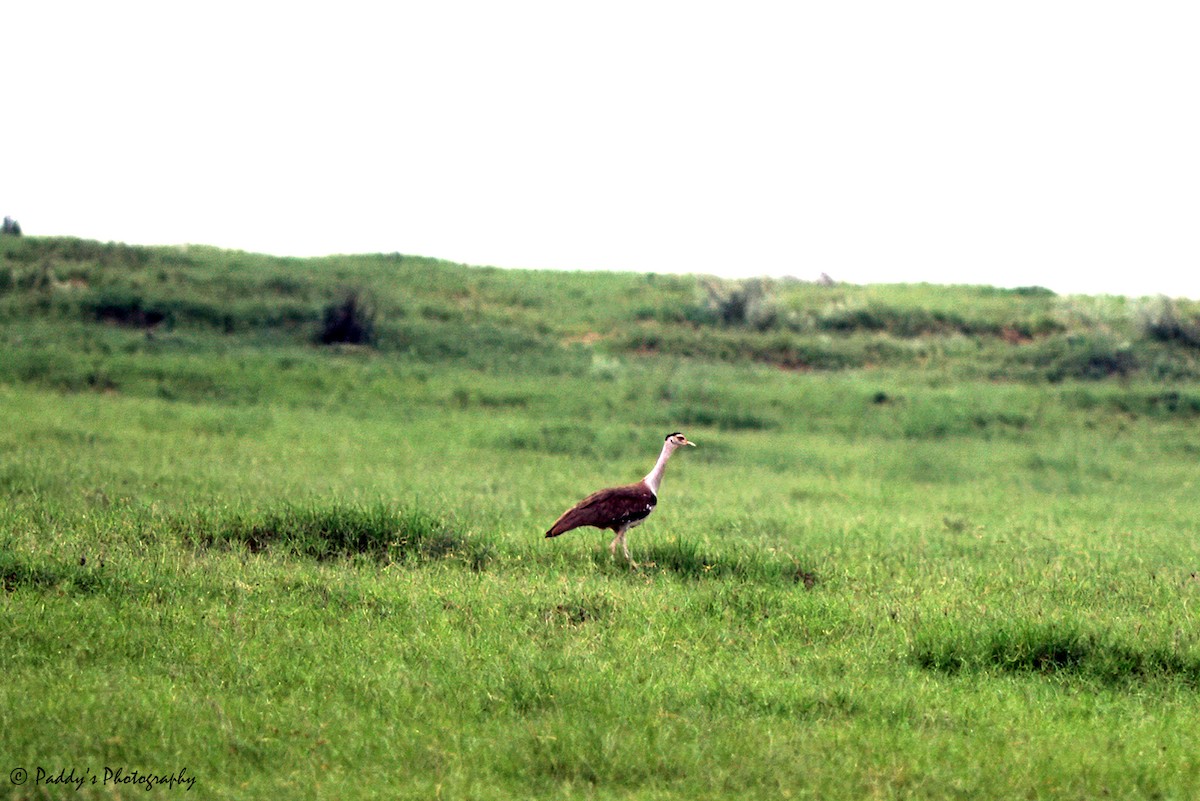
(608, 508)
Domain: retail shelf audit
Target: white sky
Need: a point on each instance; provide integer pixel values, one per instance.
(1009, 143)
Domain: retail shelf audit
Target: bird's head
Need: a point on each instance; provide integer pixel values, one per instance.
(677, 440)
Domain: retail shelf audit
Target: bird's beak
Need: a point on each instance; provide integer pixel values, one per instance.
(689, 442)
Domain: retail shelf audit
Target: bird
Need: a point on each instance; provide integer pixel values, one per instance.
(621, 508)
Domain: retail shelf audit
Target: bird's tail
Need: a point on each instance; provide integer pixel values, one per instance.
(561, 526)
(569, 520)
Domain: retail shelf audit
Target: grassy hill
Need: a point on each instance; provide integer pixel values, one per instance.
(277, 524)
(437, 312)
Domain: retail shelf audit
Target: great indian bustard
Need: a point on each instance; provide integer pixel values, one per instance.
(620, 508)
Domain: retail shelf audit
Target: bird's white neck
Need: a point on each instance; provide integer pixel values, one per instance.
(654, 477)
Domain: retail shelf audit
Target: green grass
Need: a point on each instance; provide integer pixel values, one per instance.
(932, 570)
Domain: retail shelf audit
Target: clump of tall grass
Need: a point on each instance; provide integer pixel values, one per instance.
(779, 348)
(1137, 403)
(765, 305)
(1053, 648)
(126, 307)
(339, 530)
(909, 322)
(747, 303)
(691, 560)
(1162, 320)
(716, 416)
(21, 571)
(1085, 357)
(912, 322)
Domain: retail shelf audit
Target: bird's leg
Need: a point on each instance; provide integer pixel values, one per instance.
(625, 550)
(620, 538)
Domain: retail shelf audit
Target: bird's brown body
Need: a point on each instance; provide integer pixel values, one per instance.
(620, 508)
(611, 508)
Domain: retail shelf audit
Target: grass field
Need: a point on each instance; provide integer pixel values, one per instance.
(935, 542)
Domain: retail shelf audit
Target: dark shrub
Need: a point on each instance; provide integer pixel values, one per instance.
(350, 321)
(126, 307)
(1086, 358)
(1165, 322)
(741, 303)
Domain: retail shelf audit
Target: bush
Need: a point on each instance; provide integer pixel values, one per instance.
(350, 321)
(1031, 292)
(1163, 321)
(741, 303)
